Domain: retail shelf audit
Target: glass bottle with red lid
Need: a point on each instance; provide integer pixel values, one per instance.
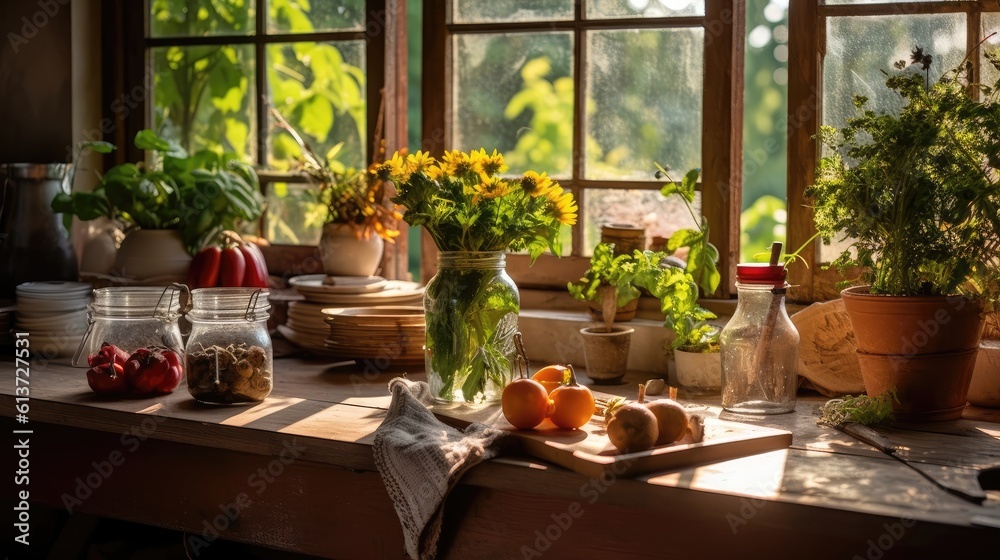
(760, 344)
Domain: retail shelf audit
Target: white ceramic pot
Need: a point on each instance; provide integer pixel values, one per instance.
(985, 387)
(344, 254)
(152, 253)
(699, 372)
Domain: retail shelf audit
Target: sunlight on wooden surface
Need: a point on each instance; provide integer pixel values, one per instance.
(266, 408)
(757, 475)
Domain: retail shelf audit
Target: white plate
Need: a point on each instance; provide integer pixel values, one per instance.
(50, 346)
(297, 339)
(38, 306)
(396, 292)
(323, 284)
(53, 287)
(74, 327)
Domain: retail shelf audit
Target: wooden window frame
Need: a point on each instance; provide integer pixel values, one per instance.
(806, 50)
(722, 126)
(126, 25)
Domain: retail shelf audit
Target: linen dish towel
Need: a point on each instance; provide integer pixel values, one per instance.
(421, 459)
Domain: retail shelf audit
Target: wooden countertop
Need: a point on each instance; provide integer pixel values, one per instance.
(182, 463)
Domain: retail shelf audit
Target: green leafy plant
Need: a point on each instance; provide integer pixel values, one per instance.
(702, 255)
(200, 195)
(622, 277)
(861, 409)
(917, 193)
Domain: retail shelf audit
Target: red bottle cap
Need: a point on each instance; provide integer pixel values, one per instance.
(761, 273)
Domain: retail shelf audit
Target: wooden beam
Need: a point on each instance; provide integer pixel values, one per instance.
(722, 132)
(804, 113)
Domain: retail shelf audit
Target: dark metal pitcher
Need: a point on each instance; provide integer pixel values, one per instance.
(34, 244)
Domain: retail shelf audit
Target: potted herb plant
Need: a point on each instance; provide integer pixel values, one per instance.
(358, 215)
(695, 347)
(917, 194)
(169, 208)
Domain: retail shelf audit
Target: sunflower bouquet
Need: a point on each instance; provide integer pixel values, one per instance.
(465, 203)
(474, 213)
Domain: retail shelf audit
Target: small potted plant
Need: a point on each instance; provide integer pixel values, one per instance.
(169, 208)
(917, 193)
(695, 346)
(358, 215)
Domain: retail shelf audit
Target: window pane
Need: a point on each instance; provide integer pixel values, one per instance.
(204, 97)
(601, 9)
(199, 18)
(303, 16)
(644, 96)
(514, 93)
(319, 88)
(293, 215)
(644, 208)
(860, 49)
(991, 23)
(477, 11)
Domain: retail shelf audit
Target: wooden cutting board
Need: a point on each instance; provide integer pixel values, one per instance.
(589, 452)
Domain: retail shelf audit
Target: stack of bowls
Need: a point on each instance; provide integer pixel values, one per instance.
(54, 314)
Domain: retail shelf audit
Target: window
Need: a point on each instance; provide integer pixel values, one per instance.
(839, 48)
(593, 93)
(219, 67)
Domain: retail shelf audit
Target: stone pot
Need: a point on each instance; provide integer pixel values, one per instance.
(146, 254)
(699, 372)
(984, 390)
(344, 253)
(925, 347)
(606, 352)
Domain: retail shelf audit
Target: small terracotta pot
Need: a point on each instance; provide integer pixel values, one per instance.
(606, 353)
(913, 325)
(929, 387)
(622, 314)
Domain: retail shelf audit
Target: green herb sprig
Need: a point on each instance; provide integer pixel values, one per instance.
(861, 409)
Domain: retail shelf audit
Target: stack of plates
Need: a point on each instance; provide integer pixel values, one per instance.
(381, 336)
(306, 326)
(54, 314)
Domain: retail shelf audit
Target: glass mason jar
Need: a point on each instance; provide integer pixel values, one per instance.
(470, 307)
(133, 317)
(229, 355)
(759, 345)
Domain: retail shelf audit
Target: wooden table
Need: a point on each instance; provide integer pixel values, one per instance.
(296, 473)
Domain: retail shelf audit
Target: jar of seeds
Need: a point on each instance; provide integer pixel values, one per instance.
(229, 355)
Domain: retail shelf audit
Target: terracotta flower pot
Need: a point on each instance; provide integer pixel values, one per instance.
(913, 325)
(606, 353)
(925, 347)
(929, 388)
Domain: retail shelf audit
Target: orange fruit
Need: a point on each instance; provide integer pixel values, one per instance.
(524, 402)
(552, 376)
(572, 404)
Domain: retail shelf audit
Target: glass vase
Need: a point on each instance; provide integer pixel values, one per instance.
(470, 307)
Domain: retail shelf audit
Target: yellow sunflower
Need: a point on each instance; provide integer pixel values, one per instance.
(456, 163)
(420, 161)
(536, 185)
(395, 169)
(494, 188)
(487, 165)
(563, 205)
